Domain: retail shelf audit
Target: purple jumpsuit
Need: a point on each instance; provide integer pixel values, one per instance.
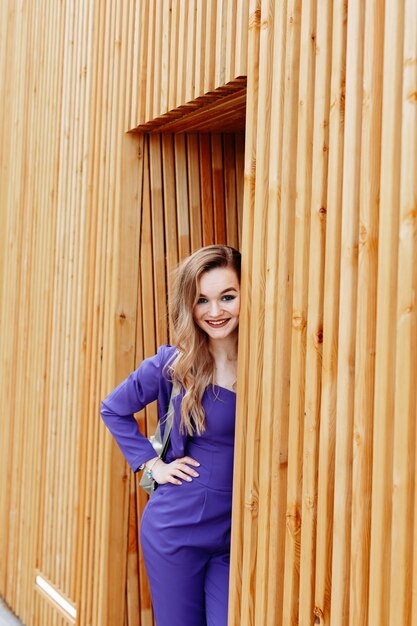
(185, 529)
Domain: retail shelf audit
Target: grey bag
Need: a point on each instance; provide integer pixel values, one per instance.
(160, 445)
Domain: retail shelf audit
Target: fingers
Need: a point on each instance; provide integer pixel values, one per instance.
(180, 469)
(189, 460)
(186, 469)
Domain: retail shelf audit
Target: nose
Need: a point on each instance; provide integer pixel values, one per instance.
(215, 308)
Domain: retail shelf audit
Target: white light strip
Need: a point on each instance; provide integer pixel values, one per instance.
(56, 597)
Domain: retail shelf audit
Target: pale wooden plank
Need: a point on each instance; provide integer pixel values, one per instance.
(173, 56)
(191, 56)
(220, 48)
(210, 49)
(136, 40)
(52, 113)
(330, 316)
(129, 27)
(151, 68)
(24, 479)
(17, 239)
(299, 545)
(115, 516)
(88, 522)
(268, 180)
(232, 11)
(201, 21)
(381, 522)
(76, 363)
(157, 59)
(184, 51)
(402, 593)
(242, 29)
(141, 63)
(347, 317)
(165, 59)
(126, 314)
(245, 340)
(99, 598)
(366, 320)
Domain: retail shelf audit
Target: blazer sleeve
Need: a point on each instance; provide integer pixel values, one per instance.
(139, 389)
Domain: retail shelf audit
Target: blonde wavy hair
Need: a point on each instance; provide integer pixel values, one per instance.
(193, 365)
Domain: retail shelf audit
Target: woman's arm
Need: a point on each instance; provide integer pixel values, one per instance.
(139, 389)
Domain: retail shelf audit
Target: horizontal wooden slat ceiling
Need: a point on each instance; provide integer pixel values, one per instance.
(221, 111)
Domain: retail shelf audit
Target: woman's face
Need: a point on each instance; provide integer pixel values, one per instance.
(218, 303)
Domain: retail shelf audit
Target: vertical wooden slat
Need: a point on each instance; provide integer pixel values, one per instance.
(151, 68)
(402, 593)
(184, 53)
(240, 167)
(241, 439)
(193, 167)
(241, 48)
(318, 34)
(218, 188)
(259, 496)
(330, 318)
(173, 56)
(366, 314)
(298, 539)
(140, 64)
(385, 365)
(230, 191)
(183, 220)
(200, 48)
(220, 48)
(206, 190)
(93, 341)
(170, 209)
(158, 43)
(232, 9)
(191, 55)
(158, 241)
(210, 49)
(165, 59)
(347, 320)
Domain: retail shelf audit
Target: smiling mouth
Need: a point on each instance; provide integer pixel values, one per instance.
(217, 324)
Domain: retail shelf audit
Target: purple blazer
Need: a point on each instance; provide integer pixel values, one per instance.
(149, 382)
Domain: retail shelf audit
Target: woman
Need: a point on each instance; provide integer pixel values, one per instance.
(185, 527)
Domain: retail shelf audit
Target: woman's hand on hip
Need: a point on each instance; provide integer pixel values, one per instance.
(171, 472)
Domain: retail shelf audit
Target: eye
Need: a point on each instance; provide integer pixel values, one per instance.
(228, 297)
(202, 301)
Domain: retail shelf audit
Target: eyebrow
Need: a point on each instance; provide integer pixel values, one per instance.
(201, 295)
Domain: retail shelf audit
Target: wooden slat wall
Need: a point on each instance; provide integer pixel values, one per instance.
(186, 52)
(64, 155)
(88, 215)
(325, 501)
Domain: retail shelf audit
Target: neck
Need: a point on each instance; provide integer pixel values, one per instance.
(224, 349)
